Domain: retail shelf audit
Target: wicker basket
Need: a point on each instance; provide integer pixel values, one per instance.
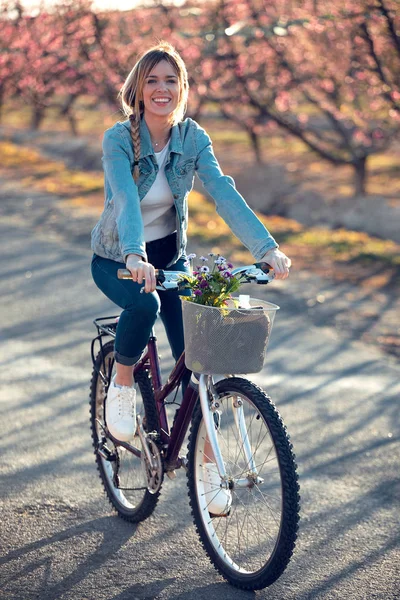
(227, 340)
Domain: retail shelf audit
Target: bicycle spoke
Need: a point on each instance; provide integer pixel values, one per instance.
(253, 517)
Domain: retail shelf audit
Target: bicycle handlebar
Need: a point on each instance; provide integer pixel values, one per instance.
(172, 280)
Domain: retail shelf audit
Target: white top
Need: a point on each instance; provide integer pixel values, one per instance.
(157, 207)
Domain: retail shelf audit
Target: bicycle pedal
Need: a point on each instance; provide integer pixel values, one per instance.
(106, 453)
(171, 474)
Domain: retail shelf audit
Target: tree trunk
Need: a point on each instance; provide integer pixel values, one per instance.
(195, 113)
(67, 112)
(255, 143)
(360, 176)
(72, 124)
(37, 116)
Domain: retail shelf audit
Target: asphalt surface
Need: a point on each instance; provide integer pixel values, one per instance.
(59, 537)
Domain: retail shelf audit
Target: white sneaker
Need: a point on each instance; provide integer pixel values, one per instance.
(218, 499)
(121, 412)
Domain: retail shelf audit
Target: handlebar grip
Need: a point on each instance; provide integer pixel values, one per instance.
(126, 274)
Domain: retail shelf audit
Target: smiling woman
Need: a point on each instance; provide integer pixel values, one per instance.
(149, 165)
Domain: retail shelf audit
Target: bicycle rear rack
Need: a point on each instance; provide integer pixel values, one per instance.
(106, 326)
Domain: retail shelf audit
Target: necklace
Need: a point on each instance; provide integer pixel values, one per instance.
(164, 141)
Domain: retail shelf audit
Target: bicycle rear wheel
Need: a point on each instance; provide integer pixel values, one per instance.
(121, 472)
(252, 545)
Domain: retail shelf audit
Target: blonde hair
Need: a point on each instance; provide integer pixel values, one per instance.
(131, 92)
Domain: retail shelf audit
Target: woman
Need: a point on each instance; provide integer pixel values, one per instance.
(144, 222)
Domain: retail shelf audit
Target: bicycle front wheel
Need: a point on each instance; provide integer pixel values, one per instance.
(122, 473)
(252, 544)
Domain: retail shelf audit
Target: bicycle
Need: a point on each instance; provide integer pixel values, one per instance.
(234, 427)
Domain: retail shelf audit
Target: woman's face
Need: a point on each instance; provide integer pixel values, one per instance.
(161, 90)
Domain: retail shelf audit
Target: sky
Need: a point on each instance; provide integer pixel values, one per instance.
(99, 4)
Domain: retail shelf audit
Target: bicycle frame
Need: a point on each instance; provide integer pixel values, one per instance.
(173, 441)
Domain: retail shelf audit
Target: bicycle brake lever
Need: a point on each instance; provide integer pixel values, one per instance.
(160, 276)
(265, 267)
(266, 276)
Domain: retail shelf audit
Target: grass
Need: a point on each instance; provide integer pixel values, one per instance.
(343, 245)
(36, 172)
(340, 246)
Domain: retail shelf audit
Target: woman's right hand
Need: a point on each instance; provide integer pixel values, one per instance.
(142, 271)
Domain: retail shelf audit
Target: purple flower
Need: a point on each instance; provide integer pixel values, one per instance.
(227, 274)
(204, 269)
(203, 258)
(204, 283)
(191, 256)
(230, 266)
(220, 260)
(198, 293)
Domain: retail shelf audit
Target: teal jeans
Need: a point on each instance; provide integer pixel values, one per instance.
(140, 310)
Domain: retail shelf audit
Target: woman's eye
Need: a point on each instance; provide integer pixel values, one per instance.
(169, 81)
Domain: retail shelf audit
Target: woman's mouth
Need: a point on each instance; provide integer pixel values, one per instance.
(161, 101)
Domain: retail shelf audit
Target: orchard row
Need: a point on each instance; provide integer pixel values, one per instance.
(324, 71)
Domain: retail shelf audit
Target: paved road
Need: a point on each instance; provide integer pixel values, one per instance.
(59, 539)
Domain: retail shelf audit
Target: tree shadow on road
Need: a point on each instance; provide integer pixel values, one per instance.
(41, 560)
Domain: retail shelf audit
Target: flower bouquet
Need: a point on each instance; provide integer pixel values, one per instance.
(212, 286)
(220, 336)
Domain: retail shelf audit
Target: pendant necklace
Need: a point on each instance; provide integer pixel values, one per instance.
(158, 143)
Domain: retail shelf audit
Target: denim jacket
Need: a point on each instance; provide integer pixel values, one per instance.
(120, 231)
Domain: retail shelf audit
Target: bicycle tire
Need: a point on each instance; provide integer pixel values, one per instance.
(214, 532)
(127, 507)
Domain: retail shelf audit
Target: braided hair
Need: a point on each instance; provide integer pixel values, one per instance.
(135, 135)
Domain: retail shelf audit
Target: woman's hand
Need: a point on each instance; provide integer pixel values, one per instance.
(278, 261)
(142, 271)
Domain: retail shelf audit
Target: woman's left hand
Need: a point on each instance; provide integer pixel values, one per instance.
(278, 261)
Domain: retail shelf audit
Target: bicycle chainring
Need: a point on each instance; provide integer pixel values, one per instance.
(155, 474)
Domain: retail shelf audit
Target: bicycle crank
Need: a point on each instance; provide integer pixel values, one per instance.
(151, 459)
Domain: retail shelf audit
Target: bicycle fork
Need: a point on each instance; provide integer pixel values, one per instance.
(206, 385)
